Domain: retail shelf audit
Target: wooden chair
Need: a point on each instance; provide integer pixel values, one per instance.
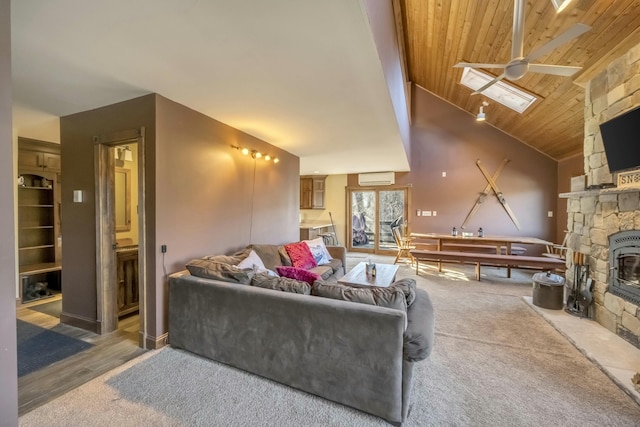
(558, 251)
(404, 245)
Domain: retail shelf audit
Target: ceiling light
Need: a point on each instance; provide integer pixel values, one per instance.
(501, 92)
(560, 5)
(256, 154)
(481, 117)
(245, 151)
(267, 157)
(276, 160)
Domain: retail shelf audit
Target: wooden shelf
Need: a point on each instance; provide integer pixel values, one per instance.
(36, 227)
(30, 187)
(28, 248)
(44, 267)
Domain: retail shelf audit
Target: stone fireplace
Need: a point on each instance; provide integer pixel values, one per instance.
(604, 223)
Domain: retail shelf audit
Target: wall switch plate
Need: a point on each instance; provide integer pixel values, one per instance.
(435, 213)
(426, 213)
(77, 196)
(418, 212)
(444, 174)
(550, 214)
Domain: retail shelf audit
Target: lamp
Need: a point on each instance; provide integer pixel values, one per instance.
(481, 117)
(255, 154)
(124, 154)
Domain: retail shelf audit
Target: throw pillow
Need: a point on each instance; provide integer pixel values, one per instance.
(263, 280)
(298, 274)
(229, 259)
(408, 287)
(373, 295)
(319, 250)
(284, 256)
(268, 254)
(300, 255)
(208, 269)
(251, 261)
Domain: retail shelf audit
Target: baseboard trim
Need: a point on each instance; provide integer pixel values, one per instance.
(79, 322)
(154, 343)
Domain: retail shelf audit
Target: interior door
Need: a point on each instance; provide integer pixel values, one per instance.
(370, 213)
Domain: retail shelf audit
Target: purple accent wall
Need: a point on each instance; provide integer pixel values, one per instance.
(200, 198)
(447, 139)
(8, 252)
(210, 198)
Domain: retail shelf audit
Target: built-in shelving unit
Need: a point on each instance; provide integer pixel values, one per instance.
(39, 237)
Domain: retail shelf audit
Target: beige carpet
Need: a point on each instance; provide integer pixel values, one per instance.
(495, 363)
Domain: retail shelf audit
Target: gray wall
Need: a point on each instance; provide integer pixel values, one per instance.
(198, 195)
(567, 168)
(8, 346)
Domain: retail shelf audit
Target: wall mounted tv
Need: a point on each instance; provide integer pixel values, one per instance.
(621, 139)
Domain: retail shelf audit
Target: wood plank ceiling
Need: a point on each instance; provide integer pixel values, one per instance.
(440, 33)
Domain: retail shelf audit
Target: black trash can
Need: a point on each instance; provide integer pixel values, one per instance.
(548, 291)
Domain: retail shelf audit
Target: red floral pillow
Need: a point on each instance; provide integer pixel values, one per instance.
(298, 274)
(301, 255)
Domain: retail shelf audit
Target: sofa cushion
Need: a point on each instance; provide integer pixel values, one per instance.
(419, 334)
(268, 254)
(284, 256)
(229, 259)
(373, 295)
(323, 271)
(318, 250)
(263, 280)
(298, 274)
(408, 286)
(300, 255)
(208, 269)
(335, 264)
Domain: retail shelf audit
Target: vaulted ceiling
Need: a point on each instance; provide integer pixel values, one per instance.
(440, 33)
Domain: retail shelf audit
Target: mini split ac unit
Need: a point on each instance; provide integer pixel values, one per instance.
(377, 178)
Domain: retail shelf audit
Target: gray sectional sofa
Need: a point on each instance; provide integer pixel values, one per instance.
(356, 354)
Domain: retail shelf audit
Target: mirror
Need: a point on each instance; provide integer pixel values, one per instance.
(123, 199)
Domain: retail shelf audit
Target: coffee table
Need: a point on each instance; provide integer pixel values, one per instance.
(385, 276)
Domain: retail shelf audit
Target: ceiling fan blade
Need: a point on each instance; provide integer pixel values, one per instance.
(517, 41)
(563, 38)
(558, 70)
(492, 82)
(478, 65)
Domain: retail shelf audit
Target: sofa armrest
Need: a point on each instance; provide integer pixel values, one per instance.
(339, 252)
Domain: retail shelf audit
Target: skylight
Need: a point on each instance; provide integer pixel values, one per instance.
(501, 92)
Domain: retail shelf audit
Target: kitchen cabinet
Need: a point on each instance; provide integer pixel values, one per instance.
(312, 191)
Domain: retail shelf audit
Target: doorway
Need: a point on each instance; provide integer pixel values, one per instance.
(120, 220)
(371, 211)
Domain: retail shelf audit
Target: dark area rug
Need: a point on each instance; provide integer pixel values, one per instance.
(39, 347)
(53, 308)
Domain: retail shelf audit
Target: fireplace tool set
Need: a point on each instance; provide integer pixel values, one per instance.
(580, 296)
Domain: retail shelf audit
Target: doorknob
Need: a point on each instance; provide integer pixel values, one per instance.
(114, 246)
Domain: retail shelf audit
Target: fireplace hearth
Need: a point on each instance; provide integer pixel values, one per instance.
(624, 262)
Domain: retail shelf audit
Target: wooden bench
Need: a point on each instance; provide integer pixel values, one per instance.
(470, 247)
(478, 259)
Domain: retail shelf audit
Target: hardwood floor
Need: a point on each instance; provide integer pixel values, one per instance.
(109, 351)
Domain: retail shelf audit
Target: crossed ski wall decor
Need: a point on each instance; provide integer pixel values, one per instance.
(491, 180)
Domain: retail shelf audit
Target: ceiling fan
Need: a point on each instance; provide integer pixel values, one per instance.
(519, 64)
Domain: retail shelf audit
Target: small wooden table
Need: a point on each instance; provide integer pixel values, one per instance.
(385, 276)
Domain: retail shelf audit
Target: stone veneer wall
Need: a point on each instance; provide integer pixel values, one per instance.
(594, 215)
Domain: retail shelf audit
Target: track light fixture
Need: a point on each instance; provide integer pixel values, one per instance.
(255, 154)
(481, 117)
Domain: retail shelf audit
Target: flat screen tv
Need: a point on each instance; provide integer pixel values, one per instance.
(621, 139)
